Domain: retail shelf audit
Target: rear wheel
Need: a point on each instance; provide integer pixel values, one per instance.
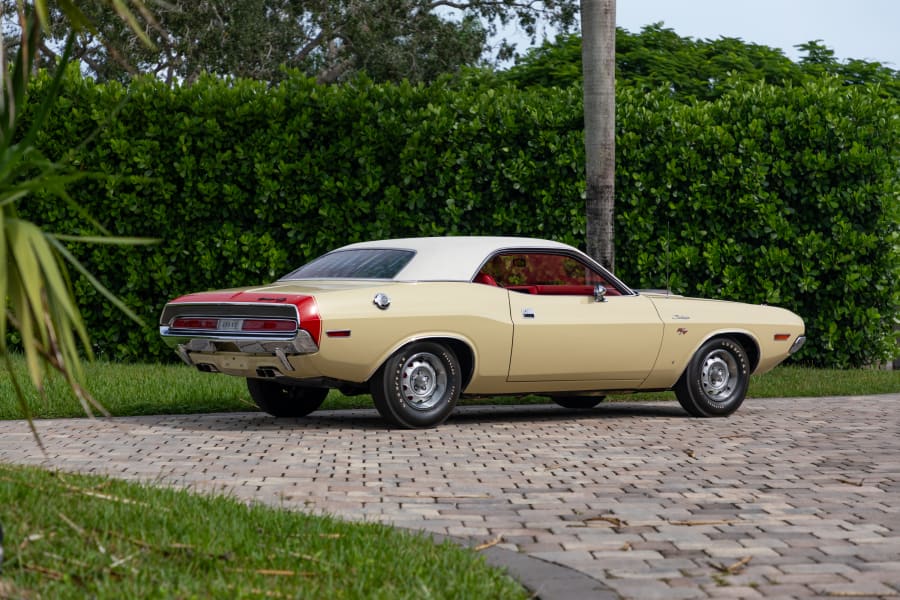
(285, 400)
(578, 402)
(418, 386)
(715, 381)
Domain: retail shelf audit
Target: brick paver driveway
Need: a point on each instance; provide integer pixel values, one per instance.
(786, 498)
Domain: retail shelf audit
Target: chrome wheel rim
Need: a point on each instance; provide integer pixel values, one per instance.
(719, 375)
(423, 381)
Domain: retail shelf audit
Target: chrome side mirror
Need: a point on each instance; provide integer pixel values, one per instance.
(599, 293)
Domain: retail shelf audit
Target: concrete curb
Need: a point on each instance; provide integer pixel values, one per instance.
(546, 580)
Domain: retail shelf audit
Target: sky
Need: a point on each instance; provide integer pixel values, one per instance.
(861, 29)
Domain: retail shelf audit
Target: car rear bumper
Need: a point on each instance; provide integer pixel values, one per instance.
(279, 347)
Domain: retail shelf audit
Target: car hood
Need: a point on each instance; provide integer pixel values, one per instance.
(673, 307)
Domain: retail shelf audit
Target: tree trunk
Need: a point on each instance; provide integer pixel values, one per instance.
(598, 58)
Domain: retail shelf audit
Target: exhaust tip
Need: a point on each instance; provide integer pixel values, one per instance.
(267, 372)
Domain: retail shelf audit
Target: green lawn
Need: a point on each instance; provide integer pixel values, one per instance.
(71, 536)
(143, 389)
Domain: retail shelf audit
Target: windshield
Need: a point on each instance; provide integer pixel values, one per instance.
(355, 264)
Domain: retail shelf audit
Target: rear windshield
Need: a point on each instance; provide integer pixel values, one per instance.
(355, 264)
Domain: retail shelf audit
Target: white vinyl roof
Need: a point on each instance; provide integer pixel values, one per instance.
(453, 258)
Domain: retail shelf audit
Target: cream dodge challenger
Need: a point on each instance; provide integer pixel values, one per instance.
(420, 322)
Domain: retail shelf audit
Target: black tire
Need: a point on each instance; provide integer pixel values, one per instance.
(418, 386)
(285, 400)
(578, 402)
(715, 381)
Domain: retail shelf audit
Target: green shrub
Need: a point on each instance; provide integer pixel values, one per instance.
(774, 195)
(779, 195)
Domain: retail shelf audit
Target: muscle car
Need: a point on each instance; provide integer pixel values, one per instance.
(420, 322)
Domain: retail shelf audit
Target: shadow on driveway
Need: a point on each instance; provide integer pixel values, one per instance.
(369, 419)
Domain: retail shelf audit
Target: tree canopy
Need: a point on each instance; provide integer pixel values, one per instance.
(657, 57)
(330, 40)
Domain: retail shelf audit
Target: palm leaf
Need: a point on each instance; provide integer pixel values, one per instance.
(20, 394)
(34, 280)
(107, 239)
(42, 303)
(74, 14)
(95, 282)
(50, 97)
(126, 15)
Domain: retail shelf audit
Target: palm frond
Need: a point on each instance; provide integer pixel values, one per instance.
(34, 265)
(70, 258)
(107, 239)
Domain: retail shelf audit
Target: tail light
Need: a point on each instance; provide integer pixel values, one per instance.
(195, 323)
(236, 325)
(269, 325)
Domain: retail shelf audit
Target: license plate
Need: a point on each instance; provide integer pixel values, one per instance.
(231, 324)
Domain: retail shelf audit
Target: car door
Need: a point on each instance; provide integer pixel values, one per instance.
(562, 333)
(573, 338)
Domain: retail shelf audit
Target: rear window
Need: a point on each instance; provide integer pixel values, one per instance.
(355, 264)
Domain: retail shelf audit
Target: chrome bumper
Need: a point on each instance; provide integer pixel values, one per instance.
(184, 344)
(798, 343)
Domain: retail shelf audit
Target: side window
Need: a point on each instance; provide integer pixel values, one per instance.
(545, 274)
(507, 269)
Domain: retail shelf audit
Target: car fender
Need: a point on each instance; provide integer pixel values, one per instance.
(468, 362)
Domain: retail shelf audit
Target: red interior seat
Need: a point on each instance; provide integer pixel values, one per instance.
(486, 279)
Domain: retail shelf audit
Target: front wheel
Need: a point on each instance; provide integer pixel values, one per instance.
(715, 381)
(418, 386)
(284, 400)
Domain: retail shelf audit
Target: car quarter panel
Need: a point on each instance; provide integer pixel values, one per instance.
(475, 314)
(689, 322)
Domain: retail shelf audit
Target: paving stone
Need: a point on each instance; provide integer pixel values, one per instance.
(854, 589)
(819, 568)
(807, 489)
(785, 591)
(654, 590)
(733, 591)
(818, 578)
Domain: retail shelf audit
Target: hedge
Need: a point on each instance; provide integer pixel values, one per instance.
(779, 195)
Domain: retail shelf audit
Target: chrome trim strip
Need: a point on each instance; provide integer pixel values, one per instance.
(300, 343)
(217, 310)
(229, 334)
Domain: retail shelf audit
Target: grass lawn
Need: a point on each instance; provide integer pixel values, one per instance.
(142, 389)
(72, 536)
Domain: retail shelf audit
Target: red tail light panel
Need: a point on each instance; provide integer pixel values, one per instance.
(306, 306)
